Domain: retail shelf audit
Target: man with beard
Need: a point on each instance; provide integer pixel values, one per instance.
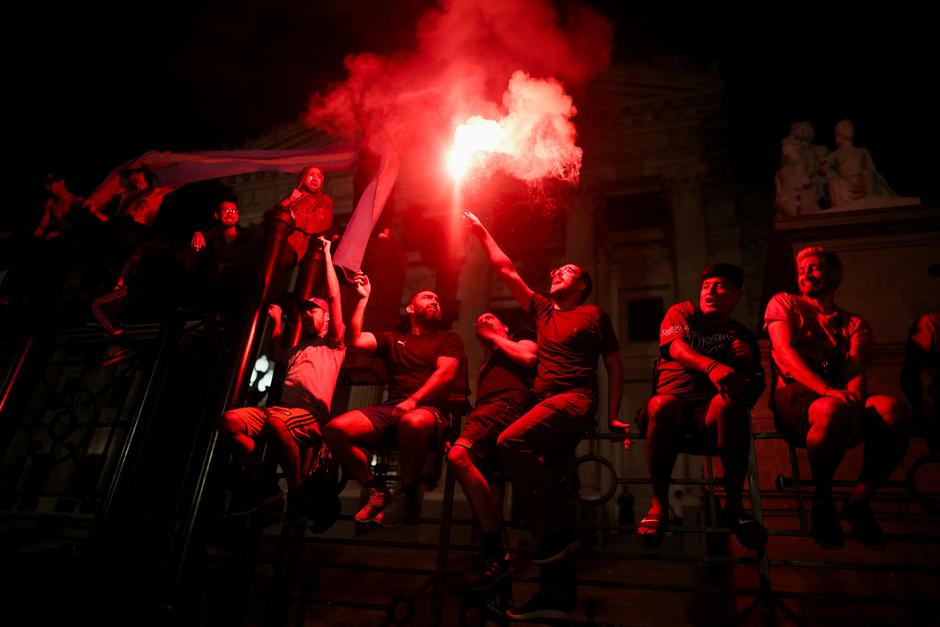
(707, 378)
(422, 366)
(571, 336)
(502, 396)
(820, 397)
(312, 368)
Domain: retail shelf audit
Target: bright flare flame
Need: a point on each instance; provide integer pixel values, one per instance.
(472, 141)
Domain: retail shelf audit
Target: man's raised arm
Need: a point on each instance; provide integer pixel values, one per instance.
(332, 292)
(357, 337)
(500, 262)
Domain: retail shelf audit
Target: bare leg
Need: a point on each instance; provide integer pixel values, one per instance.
(732, 422)
(478, 491)
(662, 446)
(887, 422)
(287, 450)
(344, 435)
(830, 434)
(414, 439)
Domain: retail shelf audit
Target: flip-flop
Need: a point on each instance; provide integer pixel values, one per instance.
(658, 524)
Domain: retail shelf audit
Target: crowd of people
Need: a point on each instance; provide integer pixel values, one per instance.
(535, 398)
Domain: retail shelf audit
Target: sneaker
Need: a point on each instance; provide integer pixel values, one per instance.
(865, 528)
(378, 497)
(487, 572)
(554, 548)
(400, 509)
(749, 532)
(254, 504)
(826, 530)
(541, 606)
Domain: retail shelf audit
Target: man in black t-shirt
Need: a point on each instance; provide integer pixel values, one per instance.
(707, 378)
(423, 365)
(503, 394)
(571, 336)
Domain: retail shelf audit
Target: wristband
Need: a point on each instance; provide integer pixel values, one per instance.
(715, 363)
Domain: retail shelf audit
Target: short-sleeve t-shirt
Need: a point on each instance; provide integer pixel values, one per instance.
(312, 370)
(569, 344)
(411, 359)
(500, 376)
(822, 340)
(684, 321)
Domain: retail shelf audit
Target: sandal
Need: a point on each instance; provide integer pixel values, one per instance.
(655, 526)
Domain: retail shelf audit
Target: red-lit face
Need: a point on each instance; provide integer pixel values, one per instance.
(314, 321)
(814, 276)
(313, 181)
(718, 296)
(425, 306)
(565, 279)
(227, 214)
(490, 321)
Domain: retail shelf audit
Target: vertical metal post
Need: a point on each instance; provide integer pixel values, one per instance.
(278, 224)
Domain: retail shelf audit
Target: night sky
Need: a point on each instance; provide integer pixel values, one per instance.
(97, 87)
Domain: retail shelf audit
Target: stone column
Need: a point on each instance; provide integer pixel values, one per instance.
(688, 223)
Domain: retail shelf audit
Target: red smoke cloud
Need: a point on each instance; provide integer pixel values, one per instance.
(467, 53)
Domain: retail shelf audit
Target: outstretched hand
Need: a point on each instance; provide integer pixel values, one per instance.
(362, 284)
(473, 223)
(615, 425)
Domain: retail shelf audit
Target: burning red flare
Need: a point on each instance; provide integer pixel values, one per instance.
(472, 142)
(534, 140)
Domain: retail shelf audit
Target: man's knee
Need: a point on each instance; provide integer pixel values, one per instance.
(230, 423)
(333, 430)
(891, 411)
(733, 412)
(664, 409)
(831, 418)
(459, 457)
(418, 420)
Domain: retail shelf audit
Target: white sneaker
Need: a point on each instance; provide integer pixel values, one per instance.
(378, 497)
(396, 512)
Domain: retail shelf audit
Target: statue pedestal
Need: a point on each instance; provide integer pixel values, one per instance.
(885, 251)
(875, 202)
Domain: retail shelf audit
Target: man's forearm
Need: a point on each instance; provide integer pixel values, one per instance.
(516, 351)
(355, 322)
(800, 370)
(438, 382)
(689, 357)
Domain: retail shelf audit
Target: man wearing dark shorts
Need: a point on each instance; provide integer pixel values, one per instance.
(503, 394)
(422, 367)
(707, 378)
(571, 336)
(312, 369)
(820, 398)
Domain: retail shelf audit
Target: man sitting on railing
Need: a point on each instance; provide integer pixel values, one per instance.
(706, 380)
(503, 395)
(820, 397)
(312, 369)
(571, 336)
(422, 365)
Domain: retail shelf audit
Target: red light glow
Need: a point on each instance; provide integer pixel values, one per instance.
(472, 142)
